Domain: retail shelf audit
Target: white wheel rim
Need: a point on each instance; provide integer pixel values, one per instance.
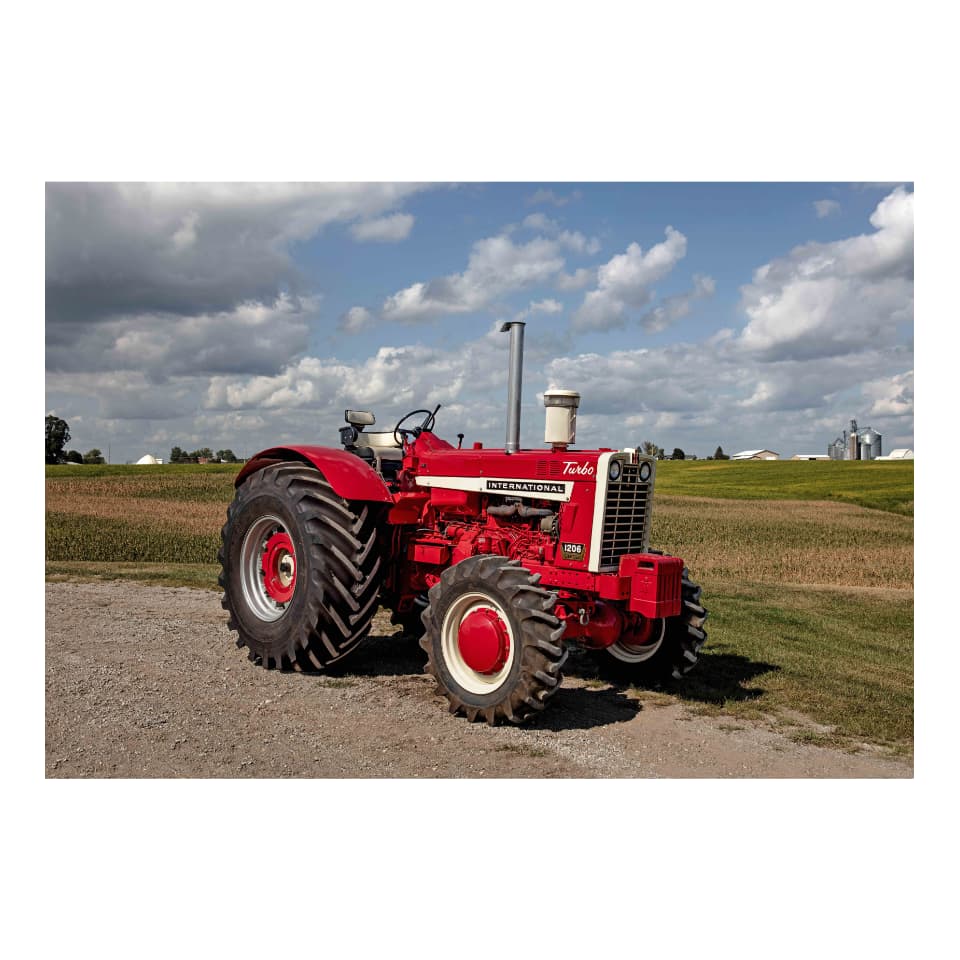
(464, 675)
(637, 653)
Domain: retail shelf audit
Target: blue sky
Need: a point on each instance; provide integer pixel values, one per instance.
(689, 314)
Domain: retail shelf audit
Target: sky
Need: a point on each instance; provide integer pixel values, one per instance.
(692, 315)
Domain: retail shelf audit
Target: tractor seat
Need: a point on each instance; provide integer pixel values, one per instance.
(384, 440)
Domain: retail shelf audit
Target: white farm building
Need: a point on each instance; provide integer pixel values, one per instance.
(756, 455)
(901, 453)
(147, 459)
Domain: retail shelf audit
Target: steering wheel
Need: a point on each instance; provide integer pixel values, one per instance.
(399, 433)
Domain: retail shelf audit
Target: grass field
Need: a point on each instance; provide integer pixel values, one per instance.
(884, 485)
(808, 574)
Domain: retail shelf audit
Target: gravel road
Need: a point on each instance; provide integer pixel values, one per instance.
(147, 682)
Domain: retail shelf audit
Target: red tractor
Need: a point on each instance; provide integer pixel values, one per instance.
(499, 558)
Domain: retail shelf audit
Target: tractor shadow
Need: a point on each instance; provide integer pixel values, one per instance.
(382, 654)
(718, 679)
(721, 678)
(580, 708)
(601, 700)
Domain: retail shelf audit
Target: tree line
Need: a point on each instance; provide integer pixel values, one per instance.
(177, 455)
(652, 450)
(58, 436)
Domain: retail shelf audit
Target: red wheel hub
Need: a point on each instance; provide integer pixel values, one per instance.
(644, 632)
(279, 565)
(483, 641)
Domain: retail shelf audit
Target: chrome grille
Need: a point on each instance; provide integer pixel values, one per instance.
(625, 516)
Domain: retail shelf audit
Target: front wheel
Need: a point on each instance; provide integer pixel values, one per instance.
(493, 644)
(664, 649)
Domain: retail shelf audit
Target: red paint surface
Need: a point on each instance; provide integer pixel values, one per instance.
(483, 641)
(350, 477)
(278, 547)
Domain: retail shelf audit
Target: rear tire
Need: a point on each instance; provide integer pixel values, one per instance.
(519, 683)
(300, 568)
(673, 648)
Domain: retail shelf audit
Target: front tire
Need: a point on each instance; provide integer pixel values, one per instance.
(493, 644)
(670, 648)
(300, 568)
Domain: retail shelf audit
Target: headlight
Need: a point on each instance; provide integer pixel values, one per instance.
(645, 471)
(615, 468)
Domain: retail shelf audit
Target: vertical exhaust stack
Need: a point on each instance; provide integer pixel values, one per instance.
(514, 383)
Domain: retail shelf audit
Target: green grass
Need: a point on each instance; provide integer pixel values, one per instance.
(89, 471)
(194, 483)
(785, 541)
(844, 660)
(203, 576)
(77, 537)
(879, 486)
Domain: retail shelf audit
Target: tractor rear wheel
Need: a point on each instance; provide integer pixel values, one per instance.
(669, 648)
(300, 568)
(493, 644)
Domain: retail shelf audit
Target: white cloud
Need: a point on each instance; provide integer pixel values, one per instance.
(548, 306)
(384, 229)
(580, 278)
(676, 307)
(825, 208)
(251, 337)
(496, 266)
(549, 196)
(541, 222)
(576, 241)
(128, 248)
(825, 299)
(624, 282)
(355, 320)
(890, 396)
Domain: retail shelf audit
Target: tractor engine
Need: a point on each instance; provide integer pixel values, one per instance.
(496, 558)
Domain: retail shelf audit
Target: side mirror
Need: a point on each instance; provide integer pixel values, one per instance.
(359, 418)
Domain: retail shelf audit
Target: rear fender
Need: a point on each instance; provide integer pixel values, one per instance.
(350, 477)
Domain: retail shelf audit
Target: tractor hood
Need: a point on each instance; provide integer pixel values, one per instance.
(527, 473)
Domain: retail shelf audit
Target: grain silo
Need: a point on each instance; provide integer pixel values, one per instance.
(870, 444)
(853, 443)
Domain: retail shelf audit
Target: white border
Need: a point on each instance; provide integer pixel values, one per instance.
(479, 485)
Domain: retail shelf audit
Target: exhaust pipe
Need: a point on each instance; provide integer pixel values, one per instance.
(514, 383)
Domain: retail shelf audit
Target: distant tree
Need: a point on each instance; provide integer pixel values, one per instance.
(661, 453)
(677, 454)
(74, 456)
(93, 456)
(719, 454)
(58, 436)
(226, 456)
(176, 455)
(649, 448)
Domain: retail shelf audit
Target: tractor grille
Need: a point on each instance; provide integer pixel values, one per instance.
(625, 516)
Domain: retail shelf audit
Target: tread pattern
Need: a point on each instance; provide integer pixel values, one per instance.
(541, 653)
(678, 655)
(686, 631)
(344, 572)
